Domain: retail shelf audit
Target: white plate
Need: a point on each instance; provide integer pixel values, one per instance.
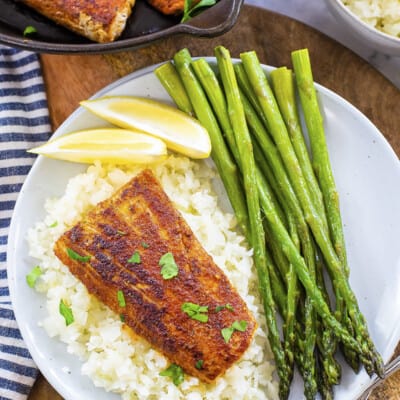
(367, 173)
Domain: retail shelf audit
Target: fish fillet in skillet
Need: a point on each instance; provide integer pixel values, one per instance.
(170, 7)
(98, 20)
(117, 248)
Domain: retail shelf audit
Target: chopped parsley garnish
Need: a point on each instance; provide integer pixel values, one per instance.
(145, 245)
(175, 372)
(66, 312)
(239, 326)
(236, 326)
(29, 30)
(195, 311)
(32, 277)
(135, 258)
(225, 306)
(191, 10)
(199, 364)
(121, 298)
(169, 268)
(53, 225)
(227, 333)
(122, 317)
(75, 256)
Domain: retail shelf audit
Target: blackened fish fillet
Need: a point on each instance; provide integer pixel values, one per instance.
(141, 219)
(100, 20)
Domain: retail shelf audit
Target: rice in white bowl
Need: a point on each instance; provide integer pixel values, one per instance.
(111, 356)
(383, 15)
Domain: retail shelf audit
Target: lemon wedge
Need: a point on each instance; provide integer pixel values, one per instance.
(180, 132)
(110, 145)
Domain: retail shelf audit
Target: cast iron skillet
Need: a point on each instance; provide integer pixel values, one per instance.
(145, 26)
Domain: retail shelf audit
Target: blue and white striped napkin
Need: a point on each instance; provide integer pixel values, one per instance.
(24, 123)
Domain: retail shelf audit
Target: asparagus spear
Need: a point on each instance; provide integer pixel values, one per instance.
(250, 174)
(247, 90)
(323, 170)
(324, 388)
(286, 269)
(216, 97)
(284, 90)
(278, 290)
(321, 162)
(220, 154)
(169, 78)
(281, 207)
(331, 370)
(279, 180)
(370, 357)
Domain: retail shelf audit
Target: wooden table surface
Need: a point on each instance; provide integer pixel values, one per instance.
(71, 78)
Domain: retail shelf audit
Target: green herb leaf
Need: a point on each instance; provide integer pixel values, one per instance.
(169, 268)
(29, 30)
(199, 364)
(135, 259)
(32, 277)
(189, 11)
(195, 311)
(53, 225)
(75, 256)
(121, 298)
(236, 326)
(145, 245)
(239, 326)
(122, 317)
(187, 5)
(66, 312)
(175, 372)
(227, 333)
(225, 306)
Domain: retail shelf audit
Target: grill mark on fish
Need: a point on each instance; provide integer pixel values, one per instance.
(143, 213)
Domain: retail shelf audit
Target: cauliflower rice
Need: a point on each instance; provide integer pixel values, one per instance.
(383, 15)
(110, 356)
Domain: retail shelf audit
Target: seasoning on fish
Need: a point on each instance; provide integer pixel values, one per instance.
(173, 292)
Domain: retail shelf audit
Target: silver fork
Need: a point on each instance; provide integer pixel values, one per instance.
(390, 368)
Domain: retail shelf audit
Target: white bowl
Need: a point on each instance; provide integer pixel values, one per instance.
(370, 36)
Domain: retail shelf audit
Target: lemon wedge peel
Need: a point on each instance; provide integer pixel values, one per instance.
(108, 145)
(181, 133)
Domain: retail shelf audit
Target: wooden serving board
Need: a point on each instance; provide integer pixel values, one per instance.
(71, 78)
